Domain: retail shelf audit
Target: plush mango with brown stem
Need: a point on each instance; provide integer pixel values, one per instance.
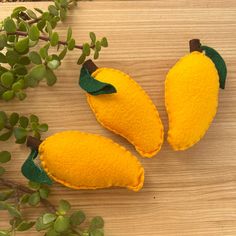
(83, 161)
(123, 107)
(191, 94)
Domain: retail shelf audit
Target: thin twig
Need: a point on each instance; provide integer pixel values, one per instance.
(24, 189)
(44, 38)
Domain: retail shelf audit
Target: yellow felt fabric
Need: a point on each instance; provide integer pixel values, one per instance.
(191, 97)
(88, 161)
(129, 112)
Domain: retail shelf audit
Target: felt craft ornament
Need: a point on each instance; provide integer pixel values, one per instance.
(83, 161)
(191, 94)
(123, 107)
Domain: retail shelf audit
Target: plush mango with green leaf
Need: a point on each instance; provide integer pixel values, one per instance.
(84, 161)
(191, 94)
(123, 107)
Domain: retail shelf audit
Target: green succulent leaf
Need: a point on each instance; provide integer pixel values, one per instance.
(64, 206)
(13, 211)
(34, 199)
(22, 45)
(93, 86)
(5, 156)
(219, 63)
(24, 225)
(2, 171)
(104, 42)
(81, 59)
(9, 25)
(14, 118)
(50, 77)
(3, 41)
(4, 233)
(6, 194)
(71, 44)
(48, 218)
(7, 79)
(63, 53)
(23, 121)
(33, 172)
(31, 14)
(34, 33)
(77, 218)
(39, 225)
(96, 223)
(44, 192)
(53, 10)
(53, 64)
(6, 136)
(61, 224)
(92, 37)
(20, 133)
(35, 58)
(38, 72)
(54, 39)
(69, 34)
(8, 95)
(43, 128)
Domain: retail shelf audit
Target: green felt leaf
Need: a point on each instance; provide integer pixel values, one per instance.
(9, 25)
(22, 45)
(34, 33)
(93, 86)
(5, 156)
(33, 172)
(219, 63)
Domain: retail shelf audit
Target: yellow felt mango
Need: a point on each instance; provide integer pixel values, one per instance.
(191, 97)
(87, 161)
(129, 112)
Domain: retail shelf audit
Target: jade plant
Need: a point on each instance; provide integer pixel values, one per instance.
(24, 63)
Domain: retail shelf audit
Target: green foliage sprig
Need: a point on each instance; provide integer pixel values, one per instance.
(21, 64)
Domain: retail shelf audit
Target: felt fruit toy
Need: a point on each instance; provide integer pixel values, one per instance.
(191, 94)
(123, 107)
(83, 161)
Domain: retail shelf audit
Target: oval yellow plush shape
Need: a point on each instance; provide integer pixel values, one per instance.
(191, 97)
(129, 112)
(88, 161)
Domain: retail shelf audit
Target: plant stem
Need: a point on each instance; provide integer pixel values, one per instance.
(44, 38)
(24, 189)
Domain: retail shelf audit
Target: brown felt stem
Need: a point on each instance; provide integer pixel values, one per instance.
(33, 142)
(195, 45)
(90, 66)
